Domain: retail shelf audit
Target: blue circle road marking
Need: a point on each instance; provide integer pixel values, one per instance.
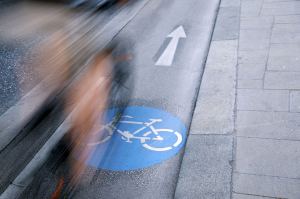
(143, 137)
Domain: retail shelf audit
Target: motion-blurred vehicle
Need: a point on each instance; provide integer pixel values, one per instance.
(81, 73)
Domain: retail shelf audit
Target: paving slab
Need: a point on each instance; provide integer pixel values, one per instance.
(286, 33)
(295, 101)
(286, 28)
(254, 39)
(253, 56)
(269, 1)
(284, 57)
(214, 109)
(251, 8)
(264, 100)
(222, 54)
(264, 22)
(206, 168)
(251, 71)
(281, 8)
(268, 157)
(227, 24)
(285, 37)
(250, 83)
(268, 186)
(282, 80)
(287, 19)
(230, 3)
(262, 124)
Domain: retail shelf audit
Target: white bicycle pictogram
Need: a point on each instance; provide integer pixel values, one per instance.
(149, 137)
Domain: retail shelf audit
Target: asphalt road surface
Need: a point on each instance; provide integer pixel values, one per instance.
(171, 39)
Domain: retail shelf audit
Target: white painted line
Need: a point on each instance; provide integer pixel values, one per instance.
(166, 59)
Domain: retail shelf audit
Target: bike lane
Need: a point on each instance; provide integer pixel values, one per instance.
(171, 42)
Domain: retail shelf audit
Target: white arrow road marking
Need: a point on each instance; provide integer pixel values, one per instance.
(166, 59)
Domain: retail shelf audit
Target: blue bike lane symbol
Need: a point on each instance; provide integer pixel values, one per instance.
(142, 138)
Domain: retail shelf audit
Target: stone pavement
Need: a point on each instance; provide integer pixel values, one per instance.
(244, 141)
(267, 160)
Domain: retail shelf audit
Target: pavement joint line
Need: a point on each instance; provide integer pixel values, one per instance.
(268, 89)
(257, 195)
(269, 50)
(283, 71)
(253, 174)
(252, 88)
(213, 134)
(267, 111)
(195, 132)
(265, 138)
(235, 109)
(289, 96)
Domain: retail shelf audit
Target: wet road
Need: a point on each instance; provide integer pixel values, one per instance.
(16, 71)
(171, 42)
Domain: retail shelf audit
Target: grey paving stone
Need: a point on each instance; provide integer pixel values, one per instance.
(253, 56)
(250, 83)
(255, 34)
(222, 54)
(251, 8)
(244, 196)
(286, 28)
(206, 169)
(258, 44)
(295, 101)
(285, 37)
(227, 25)
(284, 50)
(286, 33)
(254, 39)
(284, 57)
(268, 157)
(264, 100)
(287, 19)
(274, 187)
(284, 63)
(230, 3)
(251, 71)
(275, 125)
(268, 1)
(282, 80)
(257, 22)
(215, 105)
(281, 8)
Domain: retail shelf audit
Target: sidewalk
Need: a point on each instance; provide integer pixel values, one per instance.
(267, 158)
(244, 142)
